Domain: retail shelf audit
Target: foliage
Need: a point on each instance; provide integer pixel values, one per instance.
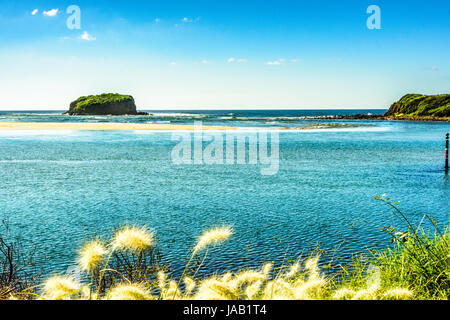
(83, 103)
(418, 259)
(127, 267)
(17, 270)
(414, 105)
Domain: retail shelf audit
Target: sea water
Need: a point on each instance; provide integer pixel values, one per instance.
(61, 188)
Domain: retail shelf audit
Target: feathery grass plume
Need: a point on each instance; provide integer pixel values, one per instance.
(214, 289)
(253, 290)
(366, 294)
(250, 277)
(161, 277)
(278, 289)
(313, 288)
(267, 268)
(213, 236)
(87, 294)
(91, 255)
(312, 265)
(230, 280)
(343, 294)
(293, 271)
(226, 277)
(133, 239)
(398, 294)
(189, 285)
(210, 237)
(172, 292)
(127, 291)
(59, 287)
(363, 295)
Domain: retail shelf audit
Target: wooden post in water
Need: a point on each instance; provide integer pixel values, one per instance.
(446, 153)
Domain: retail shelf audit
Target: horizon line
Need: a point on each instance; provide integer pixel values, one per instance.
(221, 109)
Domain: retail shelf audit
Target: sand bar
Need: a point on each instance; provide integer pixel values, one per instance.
(101, 126)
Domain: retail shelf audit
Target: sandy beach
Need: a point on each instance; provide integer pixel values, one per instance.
(101, 126)
(143, 126)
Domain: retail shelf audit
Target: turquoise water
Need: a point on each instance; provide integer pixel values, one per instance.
(59, 188)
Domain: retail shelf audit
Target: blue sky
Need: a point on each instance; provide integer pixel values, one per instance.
(223, 54)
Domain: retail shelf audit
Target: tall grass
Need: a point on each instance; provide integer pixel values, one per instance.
(127, 267)
(419, 259)
(18, 271)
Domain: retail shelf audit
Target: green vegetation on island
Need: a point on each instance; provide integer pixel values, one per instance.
(412, 107)
(418, 105)
(103, 104)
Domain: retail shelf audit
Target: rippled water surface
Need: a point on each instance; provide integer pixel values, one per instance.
(59, 188)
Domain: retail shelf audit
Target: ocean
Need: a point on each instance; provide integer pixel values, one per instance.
(61, 188)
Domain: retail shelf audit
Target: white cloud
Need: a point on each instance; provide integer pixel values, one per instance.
(275, 63)
(190, 20)
(173, 63)
(34, 12)
(281, 61)
(434, 68)
(51, 13)
(231, 60)
(86, 36)
(205, 61)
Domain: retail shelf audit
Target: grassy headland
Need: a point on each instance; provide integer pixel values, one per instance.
(418, 105)
(413, 107)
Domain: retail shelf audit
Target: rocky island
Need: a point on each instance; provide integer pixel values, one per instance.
(104, 104)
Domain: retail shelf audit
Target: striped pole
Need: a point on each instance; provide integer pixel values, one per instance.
(446, 152)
